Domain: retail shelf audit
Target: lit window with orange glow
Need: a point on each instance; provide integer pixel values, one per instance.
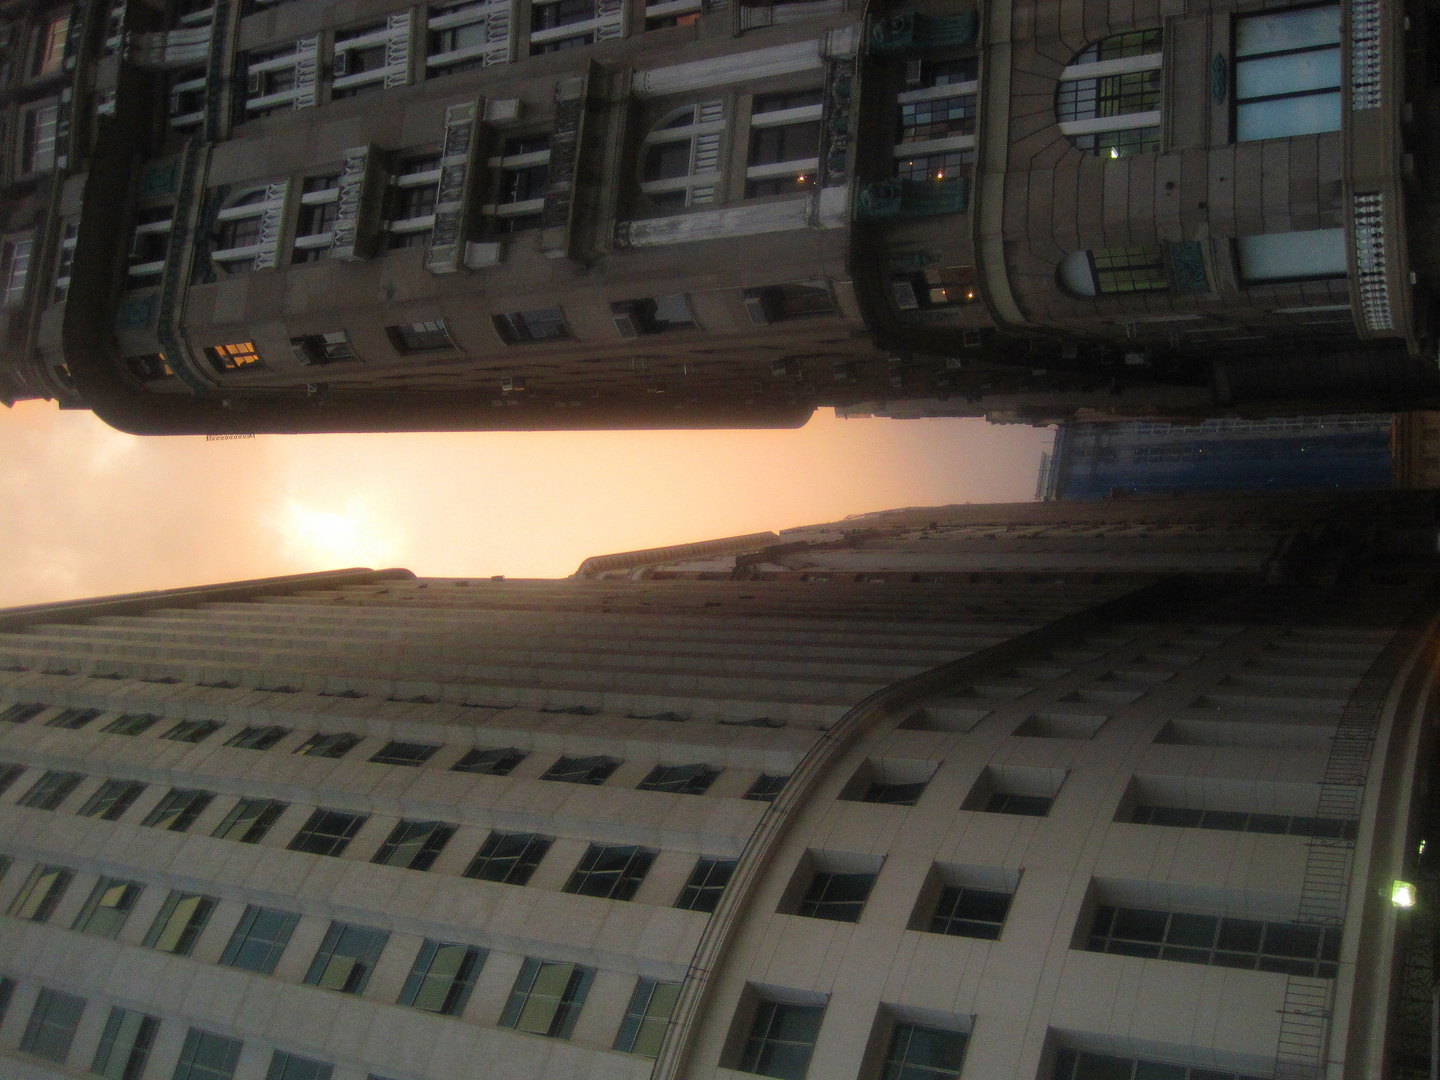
(934, 287)
(233, 357)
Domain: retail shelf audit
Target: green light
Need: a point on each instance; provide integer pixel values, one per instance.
(1402, 894)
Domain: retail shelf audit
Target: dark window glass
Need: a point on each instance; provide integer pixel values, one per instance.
(836, 896)
(1289, 948)
(192, 731)
(207, 1057)
(258, 738)
(1078, 1065)
(327, 832)
(259, 940)
(766, 788)
(667, 160)
(784, 142)
(9, 773)
(612, 872)
(180, 922)
(42, 890)
(346, 958)
(541, 324)
(131, 724)
(924, 1053)
(442, 978)
(680, 779)
(73, 719)
(420, 336)
(328, 746)
(7, 991)
(787, 99)
(249, 820)
(782, 1038)
(52, 1025)
(1238, 821)
(894, 794)
(51, 790)
(547, 998)
(285, 1066)
(125, 1044)
(1024, 805)
(22, 711)
(509, 858)
(497, 762)
(557, 13)
(521, 183)
(647, 1017)
(964, 912)
(707, 882)
(414, 845)
(405, 753)
(582, 770)
(178, 809)
(113, 799)
(107, 907)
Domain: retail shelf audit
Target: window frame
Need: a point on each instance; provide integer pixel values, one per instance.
(180, 922)
(354, 978)
(520, 866)
(129, 1034)
(108, 907)
(1237, 103)
(458, 984)
(335, 841)
(432, 838)
(178, 809)
(568, 999)
(271, 946)
(54, 1019)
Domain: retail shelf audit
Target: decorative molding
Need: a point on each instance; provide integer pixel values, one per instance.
(1365, 65)
(358, 205)
(307, 71)
(446, 245)
(731, 68)
(272, 222)
(1371, 278)
(397, 51)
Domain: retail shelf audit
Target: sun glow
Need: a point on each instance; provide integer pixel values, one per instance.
(353, 536)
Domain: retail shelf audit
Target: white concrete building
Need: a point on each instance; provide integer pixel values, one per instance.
(787, 805)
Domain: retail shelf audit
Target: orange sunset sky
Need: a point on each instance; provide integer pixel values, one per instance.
(89, 511)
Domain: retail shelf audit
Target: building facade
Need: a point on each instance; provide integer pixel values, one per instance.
(282, 215)
(1060, 791)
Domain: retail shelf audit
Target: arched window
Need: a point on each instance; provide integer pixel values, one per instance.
(680, 158)
(1112, 271)
(1108, 101)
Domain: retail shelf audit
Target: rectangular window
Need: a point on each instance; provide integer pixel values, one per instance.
(893, 794)
(327, 348)
(494, 762)
(458, 37)
(1241, 821)
(680, 779)
(42, 890)
(53, 788)
(180, 922)
(707, 882)
(249, 820)
(72, 719)
(258, 738)
(937, 166)
(790, 300)
(37, 140)
(403, 753)
(509, 858)
(836, 896)
(1079, 1065)
(192, 731)
(273, 82)
(442, 978)
(178, 809)
(125, 1045)
(652, 315)
(285, 1066)
(233, 357)
(131, 724)
(782, 1038)
(360, 60)
(522, 175)
(924, 1053)
(259, 940)
(647, 1017)
(1287, 73)
(49, 54)
(966, 912)
(1314, 255)
(52, 1025)
(414, 845)
(9, 773)
(784, 153)
(611, 871)
(1291, 948)
(328, 832)
(550, 19)
(541, 324)
(207, 1057)
(582, 770)
(328, 746)
(411, 211)
(319, 210)
(346, 958)
(420, 336)
(547, 998)
(107, 907)
(766, 787)
(22, 711)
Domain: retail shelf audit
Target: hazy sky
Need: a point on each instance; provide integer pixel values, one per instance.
(90, 511)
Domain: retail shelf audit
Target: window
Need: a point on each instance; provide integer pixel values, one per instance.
(42, 890)
(328, 348)
(654, 315)
(259, 940)
(414, 844)
(611, 872)
(466, 36)
(328, 832)
(362, 56)
(22, 711)
(1294, 256)
(782, 1038)
(1291, 948)
(179, 923)
(707, 882)
(319, 209)
(647, 1018)
(234, 357)
(934, 287)
(257, 738)
(1240, 821)
(49, 55)
(249, 820)
(346, 958)
(7, 991)
(420, 336)
(280, 80)
(547, 998)
(582, 770)
(1112, 271)
(1079, 1065)
(542, 324)
(15, 271)
(207, 1057)
(285, 1066)
(967, 912)
(52, 1025)
(131, 723)
(890, 794)
(1024, 805)
(178, 809)
(1287, 73)
(72, 719)
(186, 107)
(791, 300)
(149, 245)
(680, 779)
(553, 24)
(411, 212)
(924, 1053)
(107, 907)
(680, 157)
(522, 173)
(836, 896)
(509, 858)
(784, 143)
(442, 978)
(497, 762)
(1108, 100)
(192, 731)
(38, 129)
(767, 787)
(125, 1045)
(405, 753)
(51, 790)
(9, 773)
(328, 746)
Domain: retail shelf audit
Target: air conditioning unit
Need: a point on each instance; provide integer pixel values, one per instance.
(255, 83)
(760, 308)
(341, 67)
(914, 73)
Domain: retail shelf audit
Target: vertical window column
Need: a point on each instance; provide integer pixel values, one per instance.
(524, 173)
(414, 189)
(784, 143)
(460, 37)
(319, 209)
(278, 80)
(372, 57)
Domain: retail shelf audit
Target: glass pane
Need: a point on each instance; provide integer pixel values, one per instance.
(1288, 74)
(1293, 256)
(1288, 30)
(1288, 116)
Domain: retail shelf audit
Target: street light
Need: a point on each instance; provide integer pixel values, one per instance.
(1402, 894)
